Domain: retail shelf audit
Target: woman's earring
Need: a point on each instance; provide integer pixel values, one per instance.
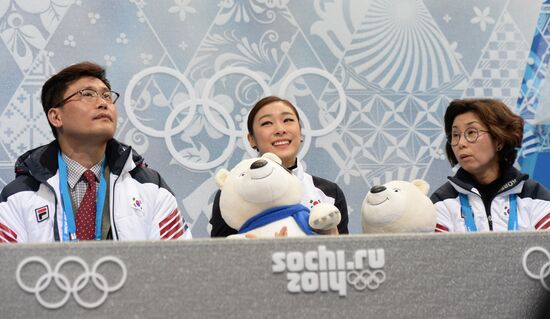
(499, 148)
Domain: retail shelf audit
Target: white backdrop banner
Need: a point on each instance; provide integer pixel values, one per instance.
(371, 79)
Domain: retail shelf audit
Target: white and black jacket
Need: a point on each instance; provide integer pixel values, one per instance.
(316, 190)
(533, 203)
(141, 205)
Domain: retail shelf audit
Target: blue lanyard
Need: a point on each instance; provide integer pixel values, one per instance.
(469, 215)
(68, 219)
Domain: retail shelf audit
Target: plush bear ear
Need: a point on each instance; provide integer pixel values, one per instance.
(272, 157)
(221, 176)
(422, 185)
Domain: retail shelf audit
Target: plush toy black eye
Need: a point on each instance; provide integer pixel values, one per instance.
(397, 190)
(242, 174)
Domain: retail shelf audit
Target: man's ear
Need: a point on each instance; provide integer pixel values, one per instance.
(54, 117)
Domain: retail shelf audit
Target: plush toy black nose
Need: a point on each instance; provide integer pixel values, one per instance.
(377, 189)
(258, 164)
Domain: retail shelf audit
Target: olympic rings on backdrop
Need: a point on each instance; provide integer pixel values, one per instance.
(230, 129)
(191, 104)
(210, 84)
(129, 107)
(63, 284)
(544, 269)
(341, 95)
(366, 279)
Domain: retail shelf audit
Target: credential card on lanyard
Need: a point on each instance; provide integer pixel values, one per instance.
(469, 214)
(68, 218)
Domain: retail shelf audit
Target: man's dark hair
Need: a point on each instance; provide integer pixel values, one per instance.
(55, 87)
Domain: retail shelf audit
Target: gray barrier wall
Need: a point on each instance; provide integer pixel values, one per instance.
(379, 276)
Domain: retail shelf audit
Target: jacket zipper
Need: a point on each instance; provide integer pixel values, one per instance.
(112, 212)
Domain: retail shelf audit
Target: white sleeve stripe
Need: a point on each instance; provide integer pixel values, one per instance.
(544, 225)
(169, 231)
(6, 237)
(543, 222)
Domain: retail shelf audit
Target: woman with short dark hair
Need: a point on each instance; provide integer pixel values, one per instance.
(487, 193)
(274, 126)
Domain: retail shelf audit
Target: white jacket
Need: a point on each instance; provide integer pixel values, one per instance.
(141, 205)
(533, 204)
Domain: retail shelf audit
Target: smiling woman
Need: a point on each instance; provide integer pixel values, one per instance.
(487, 193)
(274, 126)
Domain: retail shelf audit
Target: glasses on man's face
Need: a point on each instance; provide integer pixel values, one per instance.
(471, 135)
(90, 95)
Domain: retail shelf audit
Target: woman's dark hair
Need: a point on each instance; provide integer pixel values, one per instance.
(263, 102)
(55, 87)
(503, 125)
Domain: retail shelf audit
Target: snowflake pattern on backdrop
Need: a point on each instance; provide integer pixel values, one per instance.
(371, 79)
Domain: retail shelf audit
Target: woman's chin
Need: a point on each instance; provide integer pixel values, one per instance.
(288, 160)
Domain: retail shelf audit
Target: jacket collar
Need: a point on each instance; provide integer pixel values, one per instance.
(41, 162)
(121, 157)
(511, 177)
(298, 170)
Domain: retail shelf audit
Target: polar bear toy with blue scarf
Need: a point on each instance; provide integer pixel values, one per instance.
(259, 197)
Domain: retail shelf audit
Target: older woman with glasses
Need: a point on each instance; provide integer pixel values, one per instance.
(487, 193)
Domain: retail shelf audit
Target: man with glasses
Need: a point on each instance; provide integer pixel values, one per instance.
(85, 185)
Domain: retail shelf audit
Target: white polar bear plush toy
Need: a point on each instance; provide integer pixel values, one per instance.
(398, 207)
(259, 197)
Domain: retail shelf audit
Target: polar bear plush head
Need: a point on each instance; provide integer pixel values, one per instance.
(398, 207)
(255, 185)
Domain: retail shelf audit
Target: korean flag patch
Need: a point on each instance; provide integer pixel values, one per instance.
(42, 213)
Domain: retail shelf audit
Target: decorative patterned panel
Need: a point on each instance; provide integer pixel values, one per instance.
(371, 79)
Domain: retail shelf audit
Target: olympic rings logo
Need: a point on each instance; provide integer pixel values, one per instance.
(544, 271)
(183, 113)
(366, 279)
(63, 283)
